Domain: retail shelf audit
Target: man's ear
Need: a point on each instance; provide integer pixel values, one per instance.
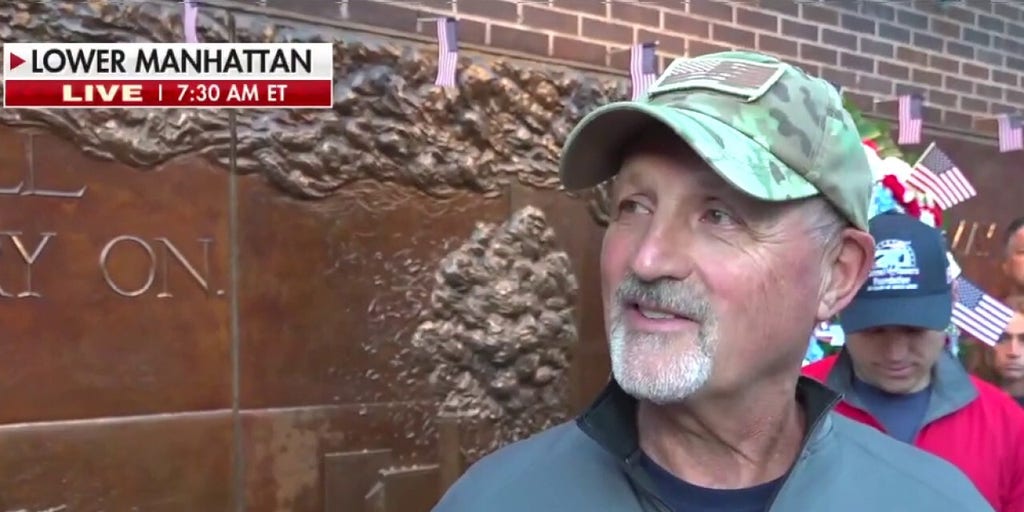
(846, 269)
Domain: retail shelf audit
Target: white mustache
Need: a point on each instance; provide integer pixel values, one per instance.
(673, 296)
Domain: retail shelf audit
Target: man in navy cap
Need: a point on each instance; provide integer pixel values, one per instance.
(897, 376)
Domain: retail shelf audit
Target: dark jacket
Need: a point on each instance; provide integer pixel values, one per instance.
(593, 464)
(969, 422)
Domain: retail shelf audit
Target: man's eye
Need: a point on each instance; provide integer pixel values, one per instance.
(634, 207)
(716, 216)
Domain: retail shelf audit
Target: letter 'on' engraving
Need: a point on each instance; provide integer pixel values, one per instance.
(170, 252)
(28, 187)
(27, 257)
(105, 255)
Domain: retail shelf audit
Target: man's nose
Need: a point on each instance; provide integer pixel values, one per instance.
(1016, 349)
(898, 347)
(664, 251)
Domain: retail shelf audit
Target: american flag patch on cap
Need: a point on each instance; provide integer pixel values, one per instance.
(732, 76)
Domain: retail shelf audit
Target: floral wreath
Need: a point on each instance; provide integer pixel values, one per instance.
(891, 168)
(892, 191)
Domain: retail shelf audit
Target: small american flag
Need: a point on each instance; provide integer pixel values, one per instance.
(1011, 133)
(642, 67)
(910, 117)
(188, 20)
(447, 51)
(979, 314)
(937, 175)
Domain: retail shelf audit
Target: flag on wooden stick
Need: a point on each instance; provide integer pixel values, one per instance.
(1011, 133)
(936, 174)
(911, 108)
(979, 314)
(188, 20)
(643, 68)
(447, 52)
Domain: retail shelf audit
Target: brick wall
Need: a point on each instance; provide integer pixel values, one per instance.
(967, 56)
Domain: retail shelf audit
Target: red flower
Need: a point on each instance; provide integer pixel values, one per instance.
(917, 205)
(937, 213)
(913, 209)
(893, 184)
(871, 144)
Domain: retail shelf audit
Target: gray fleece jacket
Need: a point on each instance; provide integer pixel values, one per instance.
(593, 464)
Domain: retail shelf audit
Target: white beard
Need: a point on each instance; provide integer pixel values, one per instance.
(649, 366)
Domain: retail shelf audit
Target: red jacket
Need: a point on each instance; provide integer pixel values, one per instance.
(969, 422)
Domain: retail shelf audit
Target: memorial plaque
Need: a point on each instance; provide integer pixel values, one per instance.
(113, 284)
(331, 291)
(151, 463)
(285, 448)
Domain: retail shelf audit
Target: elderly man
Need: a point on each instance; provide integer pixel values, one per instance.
(895, 374)
(738, 222)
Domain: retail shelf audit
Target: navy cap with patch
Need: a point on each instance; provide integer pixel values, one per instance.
(908, 285)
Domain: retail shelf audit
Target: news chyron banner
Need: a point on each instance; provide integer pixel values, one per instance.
(167, 75)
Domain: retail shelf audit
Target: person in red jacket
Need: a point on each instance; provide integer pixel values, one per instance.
(1008, 359)
(895, 373)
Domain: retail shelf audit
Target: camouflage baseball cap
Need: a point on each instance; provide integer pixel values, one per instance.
(765, 126)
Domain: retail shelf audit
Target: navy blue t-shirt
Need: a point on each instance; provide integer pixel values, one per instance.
(682, 496)
(901, 415)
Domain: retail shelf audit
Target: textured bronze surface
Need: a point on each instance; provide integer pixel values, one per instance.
(499, 328)
(331, 291)
(172, 463)
(285, 447)
(390, 123)
(579, 236)
(108, 319)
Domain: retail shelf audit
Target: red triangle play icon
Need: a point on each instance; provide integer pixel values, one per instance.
(16, 61)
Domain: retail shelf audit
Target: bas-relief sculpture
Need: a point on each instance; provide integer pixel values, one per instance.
(389, 123)
(496, 337)
(499, 329)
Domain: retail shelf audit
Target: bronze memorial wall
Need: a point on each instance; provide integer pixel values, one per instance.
(299, 311)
